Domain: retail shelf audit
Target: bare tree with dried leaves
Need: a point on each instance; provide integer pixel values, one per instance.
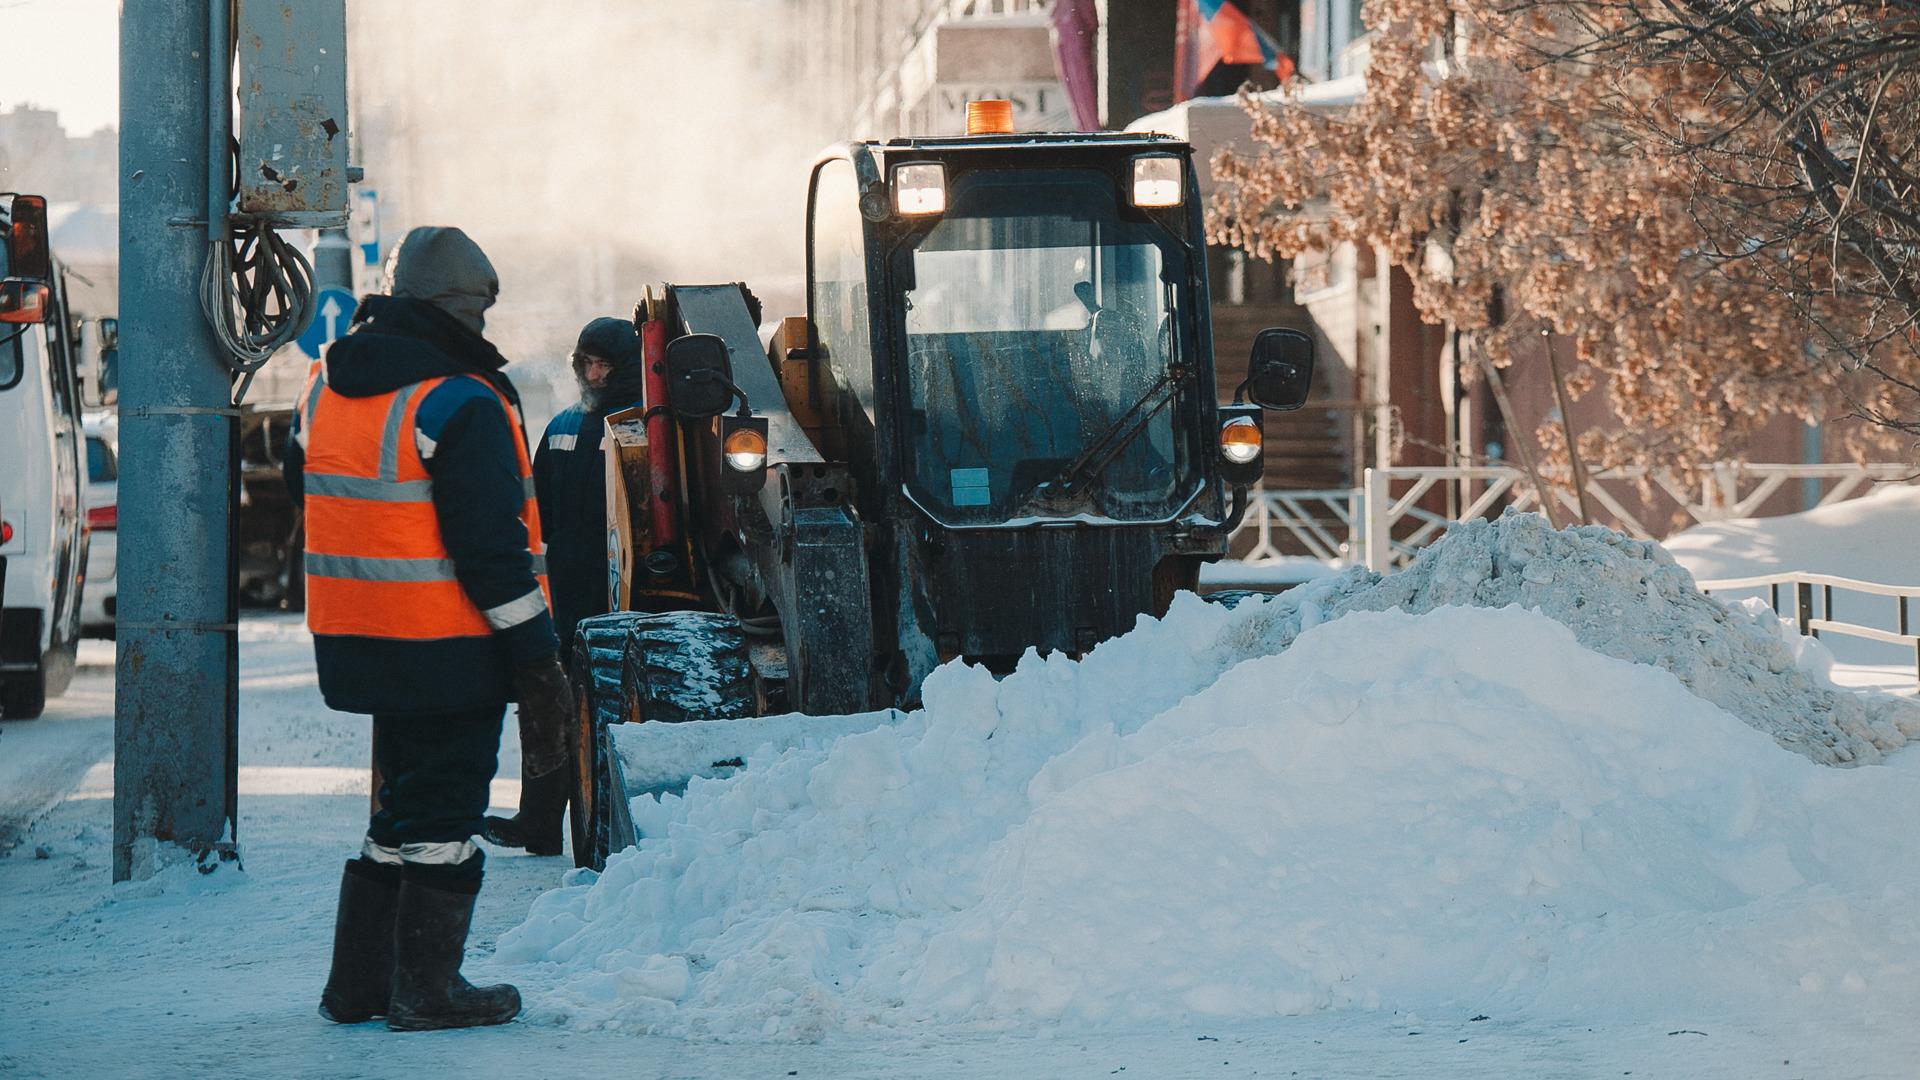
(1621, 174)
(1804, 118)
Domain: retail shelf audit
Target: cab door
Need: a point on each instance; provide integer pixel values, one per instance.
(69, 477)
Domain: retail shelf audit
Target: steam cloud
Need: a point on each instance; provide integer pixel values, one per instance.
(591, 148)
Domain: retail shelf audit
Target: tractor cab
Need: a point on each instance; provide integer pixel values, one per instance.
(1031, 329)
(1017, 325)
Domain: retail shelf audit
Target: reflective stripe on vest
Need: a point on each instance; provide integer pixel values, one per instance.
(377, 565)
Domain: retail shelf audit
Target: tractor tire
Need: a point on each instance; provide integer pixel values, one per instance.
(687, 665)
(599, 649)
(675, 667)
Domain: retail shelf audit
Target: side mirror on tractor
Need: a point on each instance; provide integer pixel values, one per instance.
(1280, 371)
(699, 377)
(700, 387)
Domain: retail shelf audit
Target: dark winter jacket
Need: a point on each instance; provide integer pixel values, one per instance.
(569, 475)
(477, 496)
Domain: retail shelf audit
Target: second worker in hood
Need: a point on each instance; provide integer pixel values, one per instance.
(569, 476)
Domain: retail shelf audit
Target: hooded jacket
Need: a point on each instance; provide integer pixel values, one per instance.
(445, 268)
(467, 445)
(569, 475)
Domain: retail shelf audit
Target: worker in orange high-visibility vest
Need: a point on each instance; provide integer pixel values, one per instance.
(426, 595)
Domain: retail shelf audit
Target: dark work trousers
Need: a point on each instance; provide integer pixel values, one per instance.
(435, 770)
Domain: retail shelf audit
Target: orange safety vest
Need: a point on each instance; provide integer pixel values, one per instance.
(376, 563)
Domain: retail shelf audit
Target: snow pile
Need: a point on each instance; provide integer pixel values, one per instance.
(1629, 599)
(1869, 538)
(1295, 805)
(663, 757)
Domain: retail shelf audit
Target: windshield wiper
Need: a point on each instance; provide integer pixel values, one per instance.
(1066, 488)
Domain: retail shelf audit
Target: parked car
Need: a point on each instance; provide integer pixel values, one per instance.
(103, 517)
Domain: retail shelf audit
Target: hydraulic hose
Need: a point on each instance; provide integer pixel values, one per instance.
(662, 465)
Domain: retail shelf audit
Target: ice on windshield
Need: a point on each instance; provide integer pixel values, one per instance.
(957, 293)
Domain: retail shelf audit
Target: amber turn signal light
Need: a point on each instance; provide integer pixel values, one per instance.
(746, 450)
(1240, 440)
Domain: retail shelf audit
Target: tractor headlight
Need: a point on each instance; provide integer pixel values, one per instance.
(746, 449)
(1157, 180)
(1240, 440)
(920, 189)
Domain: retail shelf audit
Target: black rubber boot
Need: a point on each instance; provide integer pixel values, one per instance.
(429, 942)
(362, 977)
(538, 825)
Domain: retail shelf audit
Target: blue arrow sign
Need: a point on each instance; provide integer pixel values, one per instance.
(333, 313)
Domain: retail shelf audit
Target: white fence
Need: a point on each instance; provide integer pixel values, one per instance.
(1384, 523)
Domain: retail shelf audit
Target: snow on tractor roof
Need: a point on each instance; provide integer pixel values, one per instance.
(1535, 774)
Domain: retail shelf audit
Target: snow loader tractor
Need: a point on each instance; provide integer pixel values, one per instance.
(995, 429)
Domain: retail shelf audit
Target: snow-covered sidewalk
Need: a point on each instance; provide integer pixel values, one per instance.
(1370, 801)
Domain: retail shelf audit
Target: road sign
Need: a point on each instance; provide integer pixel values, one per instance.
(333, 313)
(366, 225)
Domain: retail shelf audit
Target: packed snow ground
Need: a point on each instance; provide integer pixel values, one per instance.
(1298, 838)
(1456, 807)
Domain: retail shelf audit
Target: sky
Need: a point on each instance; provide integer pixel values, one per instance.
(63, 55)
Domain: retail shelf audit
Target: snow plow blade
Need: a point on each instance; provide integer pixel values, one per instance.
(661, 699)
(655, 759)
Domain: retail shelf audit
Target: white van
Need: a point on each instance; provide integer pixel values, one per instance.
(43, 533)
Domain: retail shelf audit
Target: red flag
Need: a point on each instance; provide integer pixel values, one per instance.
(1213, 32)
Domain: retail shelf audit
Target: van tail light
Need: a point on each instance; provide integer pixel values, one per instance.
(6, 532)
(23, 301)
(104, 517)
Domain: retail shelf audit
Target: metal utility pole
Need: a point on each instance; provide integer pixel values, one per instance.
(175, 706)
(333, 256)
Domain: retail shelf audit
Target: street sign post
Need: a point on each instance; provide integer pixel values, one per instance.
(332, 314)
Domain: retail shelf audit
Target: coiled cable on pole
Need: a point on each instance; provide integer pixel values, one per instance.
(257, 293)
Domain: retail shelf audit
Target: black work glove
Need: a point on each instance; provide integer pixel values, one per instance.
(546, 707)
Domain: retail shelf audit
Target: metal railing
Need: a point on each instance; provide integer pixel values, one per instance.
(1396, 526)
(1812, 621)
(1384, 523)
(1321, 524)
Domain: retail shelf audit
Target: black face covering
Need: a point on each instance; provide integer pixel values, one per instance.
(615, 341)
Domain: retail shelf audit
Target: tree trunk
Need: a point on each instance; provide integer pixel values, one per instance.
(1566, 427)
(1518, 436)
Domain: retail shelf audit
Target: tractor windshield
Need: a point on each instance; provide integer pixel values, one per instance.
(1035, 318)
